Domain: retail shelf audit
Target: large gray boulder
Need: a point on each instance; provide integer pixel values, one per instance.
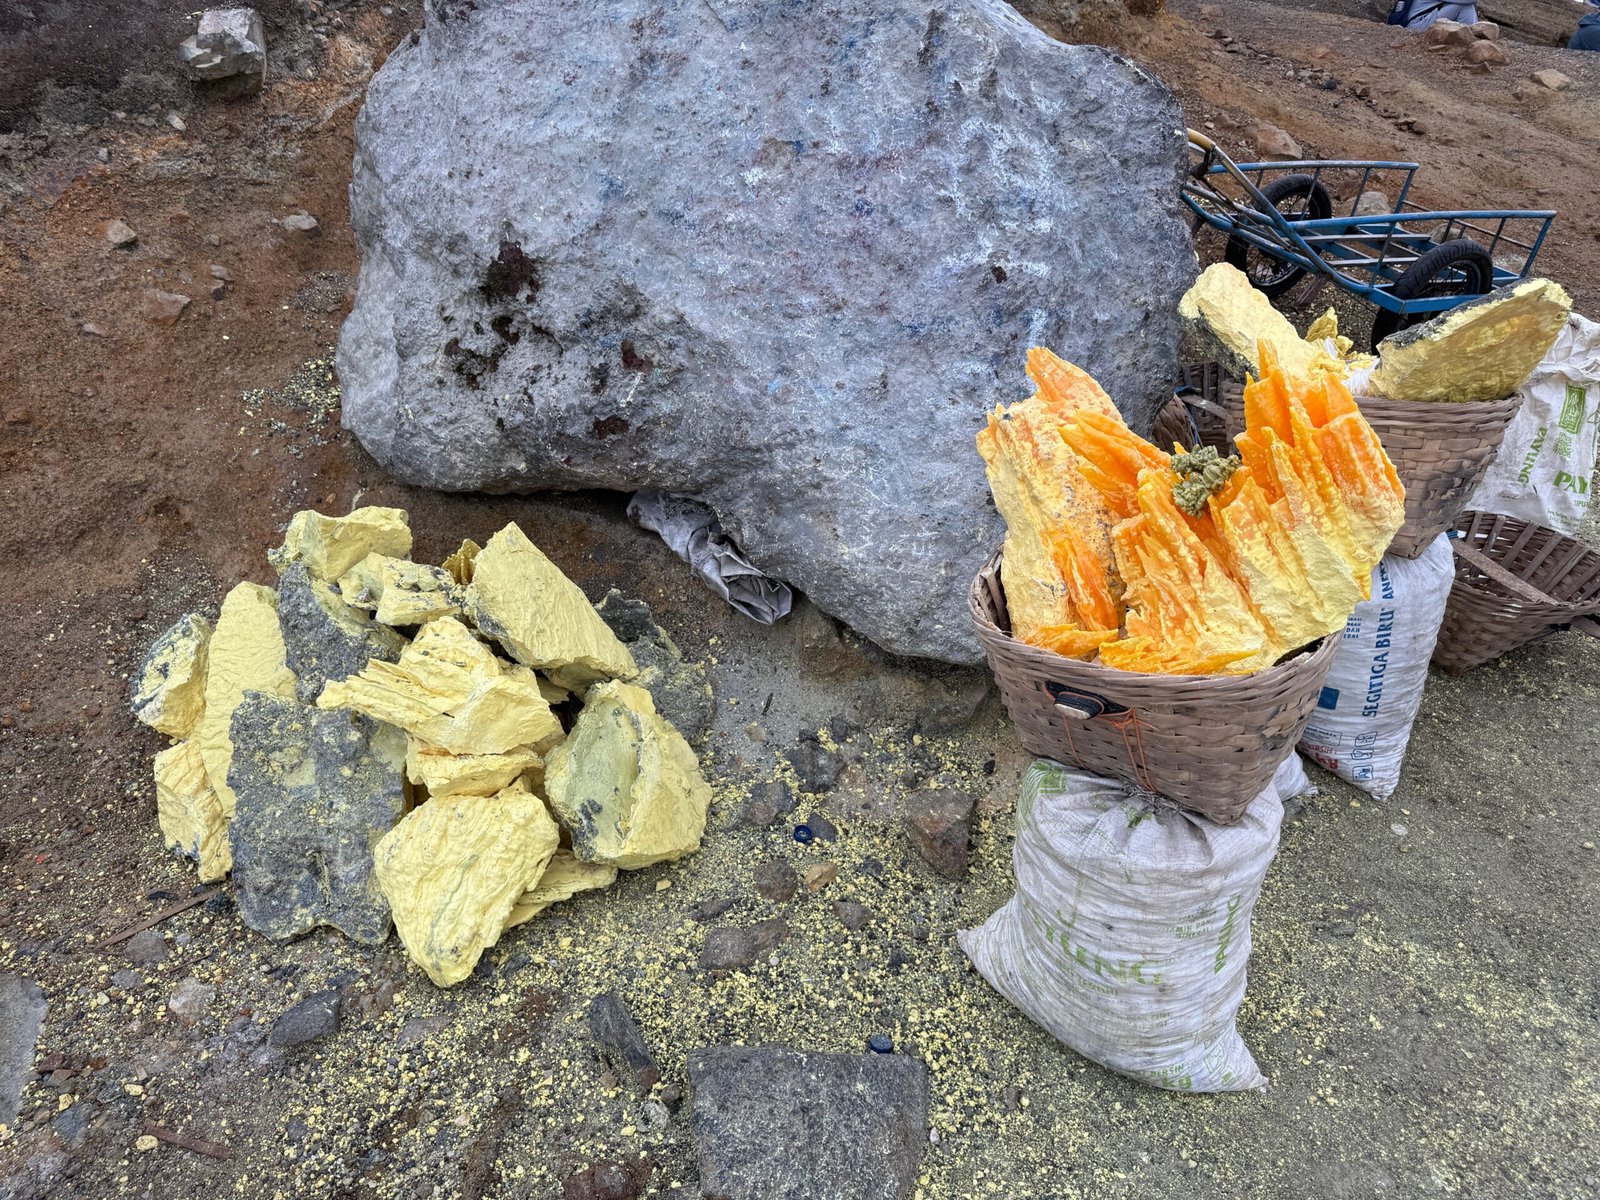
(780, 257)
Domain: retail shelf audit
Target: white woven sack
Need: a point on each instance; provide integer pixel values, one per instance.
(1374, 688)
(1544, 472)
(1129, 933)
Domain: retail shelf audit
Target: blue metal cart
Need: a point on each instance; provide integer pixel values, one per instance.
(1412, 263)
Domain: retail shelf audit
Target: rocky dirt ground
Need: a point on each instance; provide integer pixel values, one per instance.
(1423, 986)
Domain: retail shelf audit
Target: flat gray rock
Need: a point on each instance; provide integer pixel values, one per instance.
(22, 1010)
(316, 790)
(770, 1121)
(777, 257)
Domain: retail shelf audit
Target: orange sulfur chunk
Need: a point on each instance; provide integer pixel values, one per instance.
(1058, 546)
(1100, 561)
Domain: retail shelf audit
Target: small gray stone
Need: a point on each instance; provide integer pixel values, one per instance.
(729, 948)
(72, 1125)
(712, 908)
(421, 1029)
(939, 821)
(815, 766)
(228, 49)
(852, 915)
(315, 791)
(1373, 204)
(316, 1016)
(681, 689)
(164, 308)
(127, 979)
(146, 948)
(121, 235)
(618, 1034)
(821, 828)
(300, 222)
(770, 1121)
(324, 638)
(768, 801)
(22, 1011)
(190, 999)
(776, 881)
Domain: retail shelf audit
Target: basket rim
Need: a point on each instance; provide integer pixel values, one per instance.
(1308, 657)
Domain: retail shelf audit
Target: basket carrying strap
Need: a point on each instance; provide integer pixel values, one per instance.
(1474, 557)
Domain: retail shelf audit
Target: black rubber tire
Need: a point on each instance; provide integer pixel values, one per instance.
(1470, 262)
(1317, 206)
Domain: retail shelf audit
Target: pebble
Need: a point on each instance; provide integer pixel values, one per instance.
(94, 329)
(852, 915)
(619, 1036)
(127, 979)
(145, 1143)
(1398, 829)
(776, 881)
(939, 821)
(711, 909)
(177, 122)
(880, 1043)
(317, 1016)
(420, 1029)
(608, 1181)
(815, 766)
(731, 949)
(768, 801)
(121, 235)
(822, 829)
(300, 222)
(164, 308)
(820, 875)
(146, 948)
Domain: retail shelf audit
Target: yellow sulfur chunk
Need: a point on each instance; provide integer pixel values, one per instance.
(330, 546)
(453, 869)
(1477, 351)
(563, 879)
(447, 774)
(1223, 304)
(522, 600)
(189, 811)
(625, 784)
(246, 655)
(450, 690)
(170, 696)
(460, 563)
(400, 592)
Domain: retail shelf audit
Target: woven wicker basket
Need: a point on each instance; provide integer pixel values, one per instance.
(1515, 583)
(1440, 451)
(1207, 742)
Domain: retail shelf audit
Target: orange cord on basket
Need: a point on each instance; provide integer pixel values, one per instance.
(1135, 744)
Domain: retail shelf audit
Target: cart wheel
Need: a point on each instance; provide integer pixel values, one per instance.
(1298, 198)
(1458, 268)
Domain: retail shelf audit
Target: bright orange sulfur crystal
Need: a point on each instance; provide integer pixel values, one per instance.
(1100, 560)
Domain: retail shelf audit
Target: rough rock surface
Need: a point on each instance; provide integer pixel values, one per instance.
(618, 1033)
(227, 48)
(939, 821)
(778, 257)
(316, 790)
(731, 948)
(681, 689)
(315, 1017)
(766, 1118)
(330, 546)
(323, 637)
(22, 1009)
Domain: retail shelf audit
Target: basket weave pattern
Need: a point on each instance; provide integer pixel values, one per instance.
(1440, 451)
(1210, 743)
(1515, 583)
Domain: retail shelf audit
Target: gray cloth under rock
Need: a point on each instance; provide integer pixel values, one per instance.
(697, 537)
